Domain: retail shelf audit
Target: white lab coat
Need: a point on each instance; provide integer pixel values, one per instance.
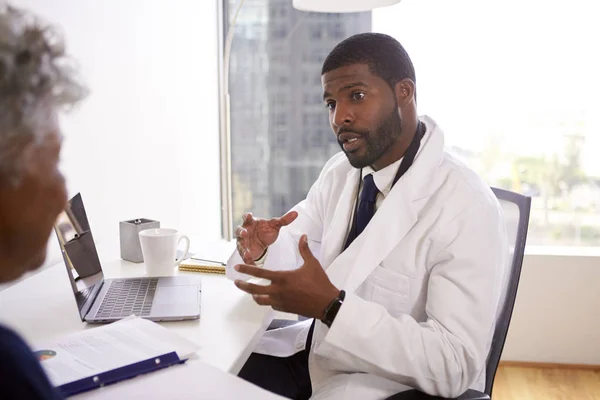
(423, 280)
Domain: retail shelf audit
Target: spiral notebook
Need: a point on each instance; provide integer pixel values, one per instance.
(202, 266)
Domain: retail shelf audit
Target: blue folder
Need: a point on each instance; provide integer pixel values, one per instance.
(120, 374)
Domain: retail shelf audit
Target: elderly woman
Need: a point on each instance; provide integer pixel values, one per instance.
(35, 83)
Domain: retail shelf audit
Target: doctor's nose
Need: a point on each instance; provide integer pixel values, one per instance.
(342, 116)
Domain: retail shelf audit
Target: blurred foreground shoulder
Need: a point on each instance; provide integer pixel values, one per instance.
(21, 375)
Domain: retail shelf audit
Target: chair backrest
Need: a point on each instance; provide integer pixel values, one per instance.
(516, 208)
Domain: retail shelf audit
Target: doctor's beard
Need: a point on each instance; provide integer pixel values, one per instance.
(376, 145)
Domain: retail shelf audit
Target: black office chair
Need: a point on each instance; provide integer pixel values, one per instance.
(516, 209)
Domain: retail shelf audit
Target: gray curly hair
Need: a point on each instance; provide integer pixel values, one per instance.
(34, 72)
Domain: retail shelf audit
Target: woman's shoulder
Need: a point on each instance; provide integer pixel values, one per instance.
(21, 374)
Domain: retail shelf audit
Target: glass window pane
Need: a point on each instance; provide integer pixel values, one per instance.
(280, 134)
(513, 84)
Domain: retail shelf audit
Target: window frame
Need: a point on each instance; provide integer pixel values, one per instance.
(225, 174)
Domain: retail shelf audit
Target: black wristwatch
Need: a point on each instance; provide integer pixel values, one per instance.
(333, 308)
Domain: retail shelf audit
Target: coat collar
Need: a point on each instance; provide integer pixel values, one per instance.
(390, 224)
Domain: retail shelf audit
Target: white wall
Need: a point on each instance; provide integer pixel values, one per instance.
(145, 143)
(557, 313)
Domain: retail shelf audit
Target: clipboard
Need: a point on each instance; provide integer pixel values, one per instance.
(92, 358)
(120, 374)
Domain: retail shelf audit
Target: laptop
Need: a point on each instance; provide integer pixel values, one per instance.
(101, 300)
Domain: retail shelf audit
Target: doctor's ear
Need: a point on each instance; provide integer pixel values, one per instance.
(404, 91)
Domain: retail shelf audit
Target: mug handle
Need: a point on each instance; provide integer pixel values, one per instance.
(187, 249)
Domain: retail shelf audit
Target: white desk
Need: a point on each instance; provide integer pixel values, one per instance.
(42, 307)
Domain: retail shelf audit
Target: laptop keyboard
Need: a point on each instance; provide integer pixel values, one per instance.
(126, 297)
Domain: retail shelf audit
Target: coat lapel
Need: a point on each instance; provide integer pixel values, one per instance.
(335, 235)
(390, 224)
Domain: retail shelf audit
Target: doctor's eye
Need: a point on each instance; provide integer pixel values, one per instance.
(358, 95)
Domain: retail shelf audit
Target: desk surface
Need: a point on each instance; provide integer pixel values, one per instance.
(42, 307)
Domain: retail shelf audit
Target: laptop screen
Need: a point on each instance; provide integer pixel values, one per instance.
(79, 253)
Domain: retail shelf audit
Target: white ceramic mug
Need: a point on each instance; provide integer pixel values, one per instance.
(159, 248)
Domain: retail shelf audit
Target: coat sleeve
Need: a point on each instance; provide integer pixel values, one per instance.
(443, 355)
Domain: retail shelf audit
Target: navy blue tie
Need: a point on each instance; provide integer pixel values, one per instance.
(366, 209)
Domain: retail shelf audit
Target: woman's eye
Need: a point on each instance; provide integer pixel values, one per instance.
(358, 96)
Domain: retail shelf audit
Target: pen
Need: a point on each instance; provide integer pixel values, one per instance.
(211, 261)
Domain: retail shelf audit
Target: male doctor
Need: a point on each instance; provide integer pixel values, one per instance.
(396, 256)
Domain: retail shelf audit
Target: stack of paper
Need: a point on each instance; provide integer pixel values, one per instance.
(95, 358)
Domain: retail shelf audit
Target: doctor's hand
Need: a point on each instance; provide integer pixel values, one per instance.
(305, 291)
(256, 234)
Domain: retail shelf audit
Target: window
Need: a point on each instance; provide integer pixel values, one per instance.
(280, 119)
(316, 32)
(489, 74)
(279, 32)
(336, 31)
(288, 119)
(513, 84)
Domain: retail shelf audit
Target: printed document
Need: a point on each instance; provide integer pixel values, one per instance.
(108, 347)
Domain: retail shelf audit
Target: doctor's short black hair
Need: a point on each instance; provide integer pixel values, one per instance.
(384, 55)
